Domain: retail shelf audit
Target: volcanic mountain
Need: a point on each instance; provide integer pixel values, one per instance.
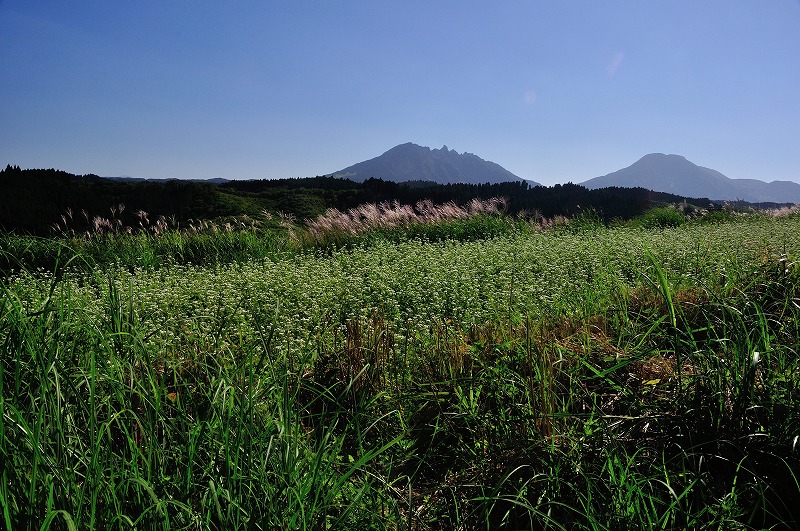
(676, 175)
(410, 162)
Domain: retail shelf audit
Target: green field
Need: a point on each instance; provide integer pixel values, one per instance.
(468, 376)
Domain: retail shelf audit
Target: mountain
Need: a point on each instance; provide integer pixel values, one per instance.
(410, 162)
(676, 175)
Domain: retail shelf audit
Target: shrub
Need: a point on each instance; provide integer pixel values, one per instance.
(660, 218)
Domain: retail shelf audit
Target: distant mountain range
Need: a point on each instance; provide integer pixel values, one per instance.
(410, 162)
(417, 165)
(676, 175)
(658, 172)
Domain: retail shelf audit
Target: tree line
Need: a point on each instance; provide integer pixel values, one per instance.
(33, 200)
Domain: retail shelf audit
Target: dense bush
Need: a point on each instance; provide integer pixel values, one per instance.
(660, 218)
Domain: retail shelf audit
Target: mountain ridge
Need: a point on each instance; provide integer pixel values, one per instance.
(411, 162)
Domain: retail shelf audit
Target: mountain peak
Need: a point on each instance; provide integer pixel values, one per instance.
(410, 162)
(654, 156)
(665, 158)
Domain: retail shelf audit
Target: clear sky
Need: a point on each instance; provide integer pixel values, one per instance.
(554, 91)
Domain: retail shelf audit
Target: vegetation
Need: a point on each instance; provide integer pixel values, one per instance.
(459, 371)
(34, 201)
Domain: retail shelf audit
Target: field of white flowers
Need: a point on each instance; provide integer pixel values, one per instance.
(542, 378)
(413, 283)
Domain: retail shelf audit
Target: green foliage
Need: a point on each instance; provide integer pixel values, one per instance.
(33, 201)
(585, 221)
(511, 378)
(720, 215)
(659, 218)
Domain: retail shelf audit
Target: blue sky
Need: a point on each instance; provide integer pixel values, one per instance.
(554, 91)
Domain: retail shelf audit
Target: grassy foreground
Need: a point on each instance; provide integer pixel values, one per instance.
(568, 379)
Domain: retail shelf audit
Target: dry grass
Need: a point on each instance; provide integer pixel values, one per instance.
(393, 215)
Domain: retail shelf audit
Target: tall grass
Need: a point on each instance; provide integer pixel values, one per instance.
(576, 379)
(100, 432)
(141, 250)
(101, 241)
